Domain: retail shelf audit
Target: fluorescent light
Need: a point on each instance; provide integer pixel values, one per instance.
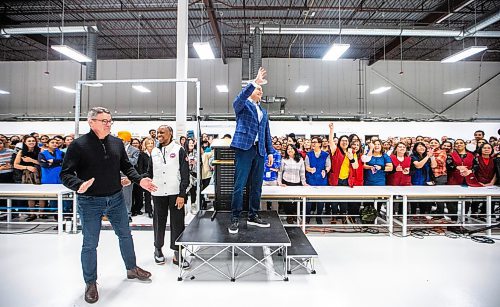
(454, 11)
(65, 89)
(72, 53)
(458, 90)
(464, 54)
(141, 89)
(440, 20)
(335, 52)
(204, 50)
(93, 84)
(222, 88)
(301, 88)
(380, 90)
(2, 92)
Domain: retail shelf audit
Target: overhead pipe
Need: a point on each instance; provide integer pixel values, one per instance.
(7, 32)
(473, 30)
(424, 32)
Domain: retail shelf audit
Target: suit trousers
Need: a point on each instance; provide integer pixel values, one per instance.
(249, 172)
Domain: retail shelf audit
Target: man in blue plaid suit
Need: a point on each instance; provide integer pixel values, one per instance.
(251, 143)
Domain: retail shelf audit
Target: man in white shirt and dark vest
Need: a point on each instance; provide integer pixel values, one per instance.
(169, 170)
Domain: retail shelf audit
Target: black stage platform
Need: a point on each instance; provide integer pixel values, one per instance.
(202, 232)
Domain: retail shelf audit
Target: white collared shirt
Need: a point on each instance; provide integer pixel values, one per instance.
(259, 115)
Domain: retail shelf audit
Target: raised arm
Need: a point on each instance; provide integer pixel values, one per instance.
(239, 101)
(333, 147)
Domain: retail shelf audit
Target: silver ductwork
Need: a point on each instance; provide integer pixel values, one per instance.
(257, 52)
(91, 73)
(416, 32)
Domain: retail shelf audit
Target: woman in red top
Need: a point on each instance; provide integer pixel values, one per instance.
(400, 174)
(485, 172)
(459, 164)
(344, 163)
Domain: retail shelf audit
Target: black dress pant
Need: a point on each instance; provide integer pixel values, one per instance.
(147, 202)
(137, 198)
(162, 204)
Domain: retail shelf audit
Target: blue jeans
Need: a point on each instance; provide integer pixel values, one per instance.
(91, 210)
(249, 169)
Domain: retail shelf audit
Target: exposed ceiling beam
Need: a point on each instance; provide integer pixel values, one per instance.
(226, 7)
(432, 17)
(215, 28)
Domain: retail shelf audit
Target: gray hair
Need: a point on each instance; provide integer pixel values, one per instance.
(96, 111)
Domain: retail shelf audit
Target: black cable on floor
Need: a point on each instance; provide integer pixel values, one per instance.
(482, 239)
(19, 232)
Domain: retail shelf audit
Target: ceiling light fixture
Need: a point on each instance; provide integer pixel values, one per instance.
(204, 51)
(71, 53)
(2, 92)
(222, 88)
(463, 54)
(68, 51)
(458, 90)
(141, 89)
(380, 90)
(65, 89)
(335, 52)
(454, 11)
(301, 88)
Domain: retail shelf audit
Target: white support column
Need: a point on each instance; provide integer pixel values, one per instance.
(182, 67)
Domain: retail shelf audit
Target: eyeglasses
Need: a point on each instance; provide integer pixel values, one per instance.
(104, 121)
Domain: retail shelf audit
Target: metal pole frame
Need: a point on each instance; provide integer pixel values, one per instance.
(198, 105)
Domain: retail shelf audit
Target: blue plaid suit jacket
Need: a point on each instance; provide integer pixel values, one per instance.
(247, 124)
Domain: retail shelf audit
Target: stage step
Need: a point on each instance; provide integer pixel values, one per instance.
(301, 252)
(301, 247)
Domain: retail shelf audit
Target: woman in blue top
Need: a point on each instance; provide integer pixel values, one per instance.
(377, 165)
(422, 163)
(317, 167)
(50, 161)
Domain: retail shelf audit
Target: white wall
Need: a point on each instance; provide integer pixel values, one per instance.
(384, 129)
(334, 87)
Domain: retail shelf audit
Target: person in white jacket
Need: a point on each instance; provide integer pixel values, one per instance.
(169, 170)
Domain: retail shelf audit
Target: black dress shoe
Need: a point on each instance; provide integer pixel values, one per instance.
(130, 219)
(91, 294)
(139, 213)
(150, 215)
(134, 213)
